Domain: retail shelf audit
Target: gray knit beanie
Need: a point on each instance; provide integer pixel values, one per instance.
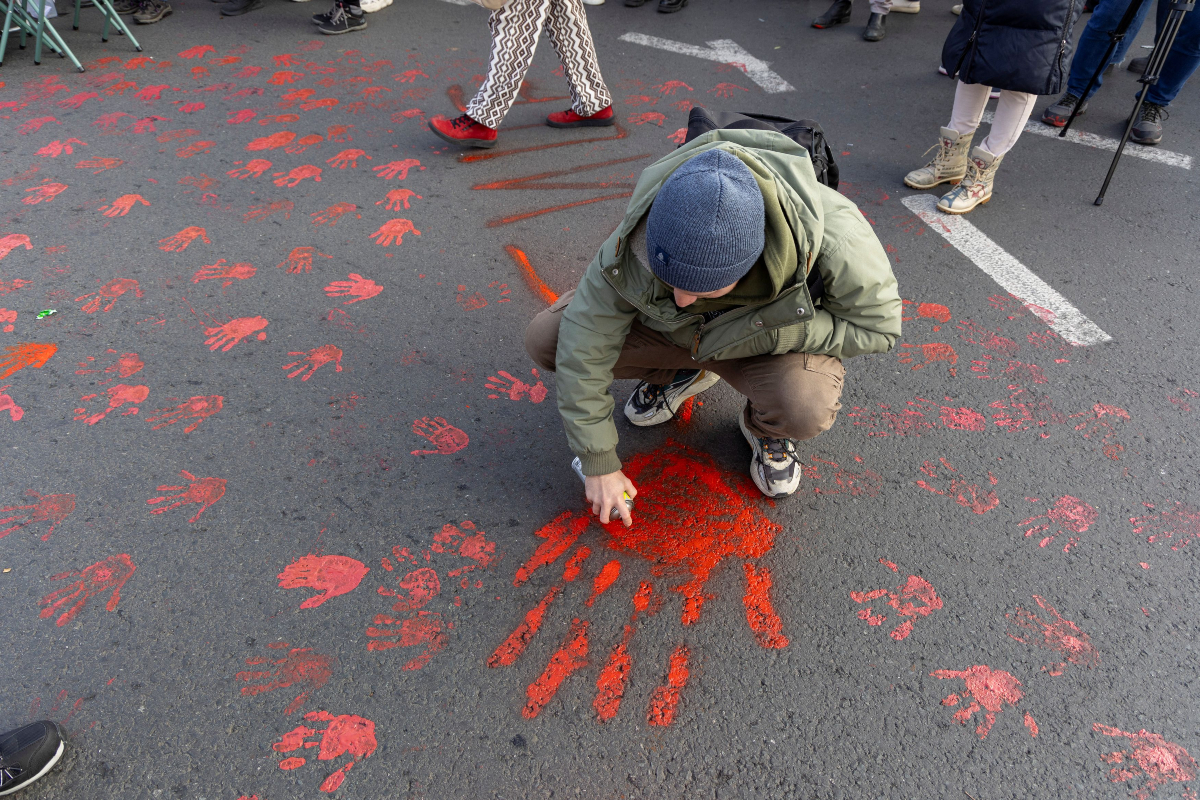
(705, 229)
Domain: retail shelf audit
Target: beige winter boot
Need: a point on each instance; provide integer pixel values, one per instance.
(948, 166)
(976, 187)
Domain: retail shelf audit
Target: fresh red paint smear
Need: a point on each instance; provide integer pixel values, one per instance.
(665, 701)
(988, 690)
(760, 612)
(300, 667)
(1031, 724)
(1153, 758)
(329, 575)
(607, 577)
(535, 283)
(571, 656)
(512, 647)
(560, 533)
(614, 678)
(1059, 635)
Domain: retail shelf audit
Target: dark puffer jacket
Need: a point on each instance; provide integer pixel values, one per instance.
(1020, 45)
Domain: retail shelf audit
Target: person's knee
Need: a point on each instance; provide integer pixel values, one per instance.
(541, 339)
(804, 418)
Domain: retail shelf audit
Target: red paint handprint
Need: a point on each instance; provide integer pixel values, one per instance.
(314, 359)
(1177, 526)
(393, 231)
(670, 87)
(726, 89)
(118, 396)
(121, 206)
(16, 284)
(34, 125)
(516, 389)
(346, 734)
(57, 148)
(179, 242)
(396, 197)
(13, 241)
(441, 434)
(348, 158)
(987, 339)
(1154, 758)
(8, 404)
(967, 495)
(934, 311)
(357, 287)
(98, 165)
(424, 629)
(26, 354)
(264, 210)
(329, 575)
(234, 331)
(1069, 514)
(203, 492)
(44, 193)
(111, 573)
(224, 272)
(417, 588)
(199, 51)
(111, 291)
(1062, 636)
(254, 168)
(1099, 423)
(198, 408)
(52, 508)
(332, 215)
(297, 174)
(7, 318)
(299, 667)
(303, 143)
(396, 169)
(651, 117)
(275, 140)
(934, 352)
(915, 588)
(679, 136)
(126, 365)
(988, 690)
(408, 76)
(300, 260)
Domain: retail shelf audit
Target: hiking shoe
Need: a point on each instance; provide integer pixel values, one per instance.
(654, 403)
(1058, 114)
(837, 14)
(125, 7)
(1138, 64)
(569, 119)
(975, 189)
(906, 6)
(463, 130)
(948, 166)
(876, 28)
(773, 465)
(151, 11)
(1148, 128)
(28, 753)
(342, 19)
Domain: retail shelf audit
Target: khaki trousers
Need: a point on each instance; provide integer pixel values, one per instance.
(789, 396)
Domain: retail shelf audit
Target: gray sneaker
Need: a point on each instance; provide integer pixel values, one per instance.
(1148, 128)
(1058, 114)
(773, 464)
(654, 404)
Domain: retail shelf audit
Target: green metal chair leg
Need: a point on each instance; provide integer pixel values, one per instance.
(55, 41)
(8, 11)
(37, 45)
(110, 14)
(75, 23)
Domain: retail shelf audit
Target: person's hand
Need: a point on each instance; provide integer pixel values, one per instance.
(607, 493)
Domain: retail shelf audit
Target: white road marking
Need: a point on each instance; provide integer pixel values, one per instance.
(1054, 309)
(723, 51)
(1167, 157)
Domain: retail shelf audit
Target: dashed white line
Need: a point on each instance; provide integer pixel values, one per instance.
(1054, 309)
(1167, 157)
(723, 51)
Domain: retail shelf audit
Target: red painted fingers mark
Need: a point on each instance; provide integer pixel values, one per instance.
(103, 576)
(9, 405)
(233, 332)
(912, 599)
(13, 241)
(1176, 526)
(44, 193)
(347, 158)
(934, 311)
(665, 700)
(111, 292)
(17, 357)
(514, 646)
(396, 169)
(344, 735)
(424, 629)
(52, 508)
(277, 139)
(332, 215)
(330, 576)
(300, 260)
(57, 148)
(179, 242)
(559, 534)
(607, 577)
(312, 360)
(264, 210)
(300, 667)
(254, 168)
(417, 588)
(571, 656)
(203, 492)
(968, 495)
(1059, 635)
(227, 273)
(292, 178)
(357, 288)
(394, 200)
(987, 690)
(760, 611)
(118, 396)
(392, 232)
(197, 408)
(516, 389)
(1099, 423)
(441, 434)
(614, 678)
(923, 355)
(122, 205)
(1069, 515)
(1151, 761)
(535, 283)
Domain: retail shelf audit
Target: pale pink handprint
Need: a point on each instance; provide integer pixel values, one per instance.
(254, 168)
(425, 628)
(111, 573)
(1154, 758)
(222, 271)
(177, 243)
(1062, 635)
(13, 241)
(332, 215)
(346, 734)
(314, 359)
(198, 408)
(1069, 515)
(396, 169)
(57, 148)
(7, 318)
(297, 174)
(52, 508)
(989, 690)
(199, 491)
(121, 206)
(397, 196)
(915, 588)
(34, 125)
(348, 158)
(301, 260)
(358, 288)
(515, 388)
(234, 331)
(7, 403)
(393, 231)
(303, 143)
(126, 365)
(969, 495)
(300, 666)
(111, 291)
(16, 284)
(43, 193)
(648, 117)
(118, 396)
(441, 434)
(330, 576)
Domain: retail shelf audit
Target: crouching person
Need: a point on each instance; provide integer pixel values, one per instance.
(711, 276)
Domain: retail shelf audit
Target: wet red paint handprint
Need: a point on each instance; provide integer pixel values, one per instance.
(111, 573)
(300, 260)
(396, 197)
(254, 168)
(968, 495)
(396, 169)
(299, 667)
(934, 311)
(329, 575)
(198, 408)
(516, 389)
(13, 241)
(332, 215)
(26, 354)
(915, 588)
(441, 434)
(393, 231)
(44, 193)
(1069, 514)
(223, 272)
(122, 205)
(234, 331)
(348, 158)
(1153, 758)
(203, 492)
(1176, 526)
(57, 148)
(199, 51)
(345, 734)
(314, 359)
(111, 291)
(264, 210)
(417, 588)
(297, 174)
(988, 690)
(1061, 635)
(179, 242)
(358, 288)
(424, 629)
(52, 508)
(118, 396)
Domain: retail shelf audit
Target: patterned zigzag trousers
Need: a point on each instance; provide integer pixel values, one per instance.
(515, 29)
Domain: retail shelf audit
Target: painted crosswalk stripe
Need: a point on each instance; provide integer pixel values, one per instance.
(1167, 157)
(1054, 309)
(723, 51)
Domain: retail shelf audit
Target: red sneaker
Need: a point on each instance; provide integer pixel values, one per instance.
(569, 119)
(463, 130)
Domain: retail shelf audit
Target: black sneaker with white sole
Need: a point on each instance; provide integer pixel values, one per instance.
(28, 753)
(654, 403)
(343, 19)
(773, 465)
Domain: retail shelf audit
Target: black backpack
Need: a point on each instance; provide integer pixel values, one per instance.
(805, 132)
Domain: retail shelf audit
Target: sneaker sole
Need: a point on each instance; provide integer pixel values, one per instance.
(1146, 142)
(751, 440)
(585, 123)
(706, 380)
(484, 143)
(62, 746)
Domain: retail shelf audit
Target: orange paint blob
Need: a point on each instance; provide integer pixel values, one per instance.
(665, 701)
(560, 533)
(608, 575)
(760, 613)
(614, 678)
(567, 659)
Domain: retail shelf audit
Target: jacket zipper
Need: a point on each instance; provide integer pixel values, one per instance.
(971, 41)
(1062, 44)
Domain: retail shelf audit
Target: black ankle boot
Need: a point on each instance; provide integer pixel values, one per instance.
(875, 29)
(838, 13)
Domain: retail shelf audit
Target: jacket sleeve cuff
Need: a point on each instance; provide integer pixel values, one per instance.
(600, 463)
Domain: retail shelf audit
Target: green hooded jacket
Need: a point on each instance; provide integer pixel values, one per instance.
(808, 226)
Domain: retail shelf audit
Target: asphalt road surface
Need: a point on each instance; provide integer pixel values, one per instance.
(287, 511)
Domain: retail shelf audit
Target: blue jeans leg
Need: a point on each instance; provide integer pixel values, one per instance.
(1093, 42)
(1181, 61)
